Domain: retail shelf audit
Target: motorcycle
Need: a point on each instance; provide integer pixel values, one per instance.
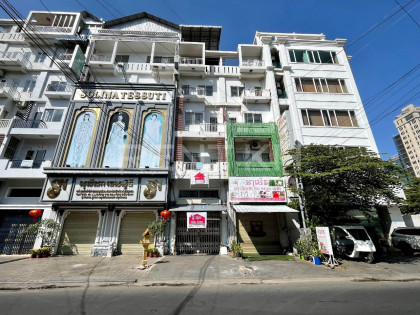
(353, 242)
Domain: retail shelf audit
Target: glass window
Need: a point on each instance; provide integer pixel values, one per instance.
(305, 117)
(353, 119)
(265, 157)
(298, 86)
(325, 57)
(185, 89)
(315, 118)
(334, 86)
(343, 86)
(326, 118)
(292, 56)
(25, 192)
(308, 85)
(236, 91)
(343, 118)
(299, 55)
(122, 58)
(53, 115)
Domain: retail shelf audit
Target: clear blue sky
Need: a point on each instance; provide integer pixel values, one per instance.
(379, 58)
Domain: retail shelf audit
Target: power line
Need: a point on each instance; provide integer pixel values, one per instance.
(408, 13)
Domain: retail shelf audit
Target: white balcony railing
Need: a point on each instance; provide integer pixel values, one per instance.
(11, 37)
(4, 125)
(222, 70)
(252, 63)
(205, 128)
(50, 29)
(59, 88)
(136, 67)
(164, 60)
(16, 57)
(191, 61)
(256, 93)
(216, 170)
(7, 89)
(101, 58)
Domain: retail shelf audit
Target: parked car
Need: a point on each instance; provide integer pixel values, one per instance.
(407, 239)
(353, 242)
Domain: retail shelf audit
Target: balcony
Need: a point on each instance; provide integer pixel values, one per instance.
(216, 170)
(136, 67)
(59, 91)
(4, 125)
(7, 91)
(252, 68)
(257, 96)
(194, 93)
(191, 65)
(222, 70)
(33, 129)
(103, 63)
(20, 169)
(64, 58)
(204, 130)
(14, 61)
(11, 37)
(163, 64)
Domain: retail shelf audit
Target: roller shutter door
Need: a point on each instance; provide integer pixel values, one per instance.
(264, 241)
(78, 234)
(131, 229)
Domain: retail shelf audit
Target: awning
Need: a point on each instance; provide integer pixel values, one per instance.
(200, 208)
(263, 208)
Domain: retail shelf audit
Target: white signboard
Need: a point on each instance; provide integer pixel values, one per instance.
(105, 189)
(324, 240)
(196, 220)
(257, 189)
(199, 178)
(27, 163)
(153, 189)
(124, 95)
(57, 189)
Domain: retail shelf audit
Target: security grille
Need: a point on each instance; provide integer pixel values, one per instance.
(198, 241)
(12, 240)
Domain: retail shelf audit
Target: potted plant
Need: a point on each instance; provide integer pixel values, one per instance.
(238, 250)
(155, 253)
(38, 253)
(32, 252)
(46, 251)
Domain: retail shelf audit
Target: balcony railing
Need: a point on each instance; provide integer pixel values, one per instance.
(25, 163)
(194, 91)
(6, 88)
(252, 63)
(4, 124)
(200, 166)
(208, 127)
(191, 61)
(65, 57)
(257, 93)
(102, 58)
(50, 29)
(222, 70)
(59, 88)
(20, 123)
(204, 127)
(16, 57)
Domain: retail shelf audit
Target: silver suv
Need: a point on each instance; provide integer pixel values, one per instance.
(407, 239)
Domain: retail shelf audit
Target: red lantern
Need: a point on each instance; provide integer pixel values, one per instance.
(35, 214)
(165, 214)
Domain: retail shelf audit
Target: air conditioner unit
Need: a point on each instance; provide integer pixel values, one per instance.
(255, 145)
(22, 104)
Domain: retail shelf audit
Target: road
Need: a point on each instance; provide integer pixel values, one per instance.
(342, 297)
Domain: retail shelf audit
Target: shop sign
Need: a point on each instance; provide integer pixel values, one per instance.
(125, 95)
(57, 189)
(105, 189)
(152, 189)
(324, 240)
(257, 189)
(196, 220)
(199, 178)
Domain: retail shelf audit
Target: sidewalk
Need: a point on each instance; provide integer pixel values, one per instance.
(192, 270)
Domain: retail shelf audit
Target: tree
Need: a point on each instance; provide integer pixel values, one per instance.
(156, 228)
(336, 180)
(412, 193)
(47, 229)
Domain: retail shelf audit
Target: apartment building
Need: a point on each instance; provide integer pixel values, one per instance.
(158, 117)
(408, 138)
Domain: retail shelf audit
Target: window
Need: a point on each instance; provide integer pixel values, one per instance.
(193, 118)
(313, 56)
(236, 91)
(243, 157)
(232, 119)
(122, 58)
(40, 57)
(11, 148)
(25, 192)
(30, 85)
(316, 117)
(192, 157)
(319, 85)
(198, 194)
(57, 86)
(53, 115)
(185, 90)
(265, 157)
(207, 89)
(253, 118)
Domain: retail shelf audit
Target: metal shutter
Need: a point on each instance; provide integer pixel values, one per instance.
(131, 228)
(78, 234)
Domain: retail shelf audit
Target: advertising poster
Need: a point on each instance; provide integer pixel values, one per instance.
(324, 240)
(257, 189)
(196, 220)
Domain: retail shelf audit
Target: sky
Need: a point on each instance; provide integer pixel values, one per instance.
(384, 44)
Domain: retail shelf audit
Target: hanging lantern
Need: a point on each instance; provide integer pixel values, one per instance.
(35, 214)
(165, 214)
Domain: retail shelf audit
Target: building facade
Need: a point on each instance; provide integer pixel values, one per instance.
(113, 121)
(407, 141)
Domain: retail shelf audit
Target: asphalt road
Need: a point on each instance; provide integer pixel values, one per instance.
(294, 298)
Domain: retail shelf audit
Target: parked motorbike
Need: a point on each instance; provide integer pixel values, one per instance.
(353, 242)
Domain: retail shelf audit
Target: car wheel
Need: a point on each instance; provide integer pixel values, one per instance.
(369, 258)
(406, 249)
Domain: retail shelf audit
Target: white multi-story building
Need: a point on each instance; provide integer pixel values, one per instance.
(163, 119)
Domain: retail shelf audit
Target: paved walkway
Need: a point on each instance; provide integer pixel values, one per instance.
(178, 270)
